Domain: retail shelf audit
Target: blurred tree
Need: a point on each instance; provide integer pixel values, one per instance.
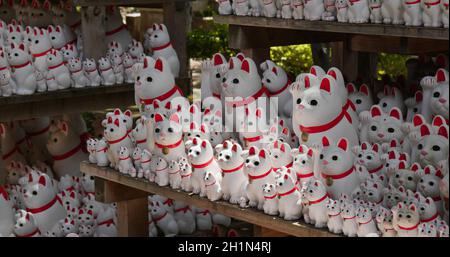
(295, 59)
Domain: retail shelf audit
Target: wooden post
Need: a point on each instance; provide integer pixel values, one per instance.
(177, 18)
(132, 217)
(93, 31)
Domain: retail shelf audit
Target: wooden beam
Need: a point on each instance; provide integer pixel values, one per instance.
(244, 37)
(73, 100)
(132, 217)
(125, 2)
(110, 192)
(177, 18)
(408, 46)
(259, 231)
(295, 228)
(336, 27)
(93, 31)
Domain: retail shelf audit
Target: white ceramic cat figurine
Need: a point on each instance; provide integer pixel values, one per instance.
(69, 51)
(313, 9)
(184, 217)
(358, 11)
(444, 8)
(116, 31)
(66, 149)
(116, 134)
(186, 175)
(101, 155)
(412, 13)
(128, 63)
(431, 13)
(25, 225)
(330, 10)
(362, 99)
(317, 198)
(392, 12)
(90, 69)
(297, 9)
(303, 164)
(118, 68)
(77, 73)
(241, 7)
(341, 10)
(288, 195)
(375, 11)
(229, 157)
(269, 9)
(125, 162)
(406, 220)
(213, 187)
(202, 160)
(168, 137)
(350, 226)
(162, 48)
(174, 170)
(160, 168)
(431, 144)
(271, 199)
(428, 185)
(335, 221)
(225, 7)
(46, 205)
(366, 224)
(336, 167)
(58, 70)
(258, 168)
(163, 219)
(22, 70)
(106, 72)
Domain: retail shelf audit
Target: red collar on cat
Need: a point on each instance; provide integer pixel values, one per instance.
(42, 54)
(168, 202)
(216, 95)
(55, 66)
(329, 125)
(45, 207)
(161, 47)
(163, 96)
(410, 228)
(432, 4)
(7, 155)
(68, 154)
(21, 65)
(212, 184)
(430, 219)
(350, 218)
(318, 200)
(3, 68)
(260, 176)
(364, 223)
(205, 212)
(270, 197)
(413, 2)
(106, 222)
(339, 176)
(123, 159)
(279, 91)
(35, 232)
(334, 215)
(376, 169)
(307, 175)
(37, 133)
(253, 139)
(203, 165)
(288, 192)
(114, 31)
(138, 142)
(184, 209)
(118, 140)
(169, 146)
(234, 169)
(103, 150)
(160, 217)
(249, 99)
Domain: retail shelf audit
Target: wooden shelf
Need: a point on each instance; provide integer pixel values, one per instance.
(298, 228)
(66, 101)
(125, 2)
(336, 27)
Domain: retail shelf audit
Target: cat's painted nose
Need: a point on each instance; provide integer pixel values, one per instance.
(325, 162)
(300, 107)
(423, 152)
(380, 135)
(442, 100)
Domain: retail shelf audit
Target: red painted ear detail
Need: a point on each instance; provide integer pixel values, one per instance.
(217, 59)
(245, 66)
(234, 148)
(310, 153)
(343, 144)
(438, 121)
(375, 147)
(240, 56)
(262, 154)
(325, 141)
(252, 151)
(158, 118)
(145, 63)
(313, 71)
(418, 96)
(307, 82)
(42, 181)
(415, 167)
(375, 111)
(443, 132)
(274, 70)
(395, 113)
(364, 146)
(440, 76)
(159, 65)
(417, 120)
(364, 89)
(424, 130)
(332, 73)
(325, 85)
(351, 88)
(117, 122)
(402, 165)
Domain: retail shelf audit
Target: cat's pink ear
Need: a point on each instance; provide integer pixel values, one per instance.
(343, 144)
(418, 120)
(274, 70)
(325, 85)
(240, 56)
(283, 148)
(375, 147)
(286, 176)
(364, 146)
(117, 122)
(234, 148)
(441, 76)
(415, 167)
(128, 113)
(245, 66)
(332, 73)
(145, 63)
(22, 47)
(307, 82)
(174, 117)
(203, 144)
(310, 153)
(42, 180)
(325, 141)
(364, 89)
(438, 121)
(412, 207)
(375, 111)
(218, 59)
(418, 96)
(313, 71)
(402, 165)
(252, 150)
(262, 153)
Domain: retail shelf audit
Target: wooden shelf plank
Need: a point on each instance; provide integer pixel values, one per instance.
(72, 100)
(336, 27)
(125, 2)
(250, 215)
